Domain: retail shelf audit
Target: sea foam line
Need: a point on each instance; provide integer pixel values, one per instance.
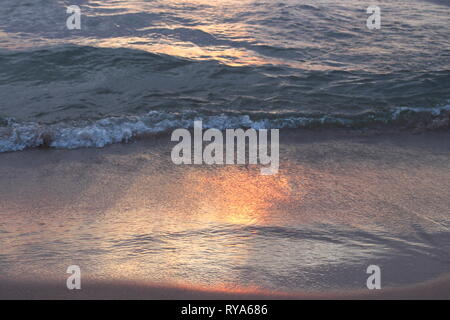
(15, 136)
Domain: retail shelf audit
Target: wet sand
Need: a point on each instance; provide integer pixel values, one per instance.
(143, 228)
(437, 289)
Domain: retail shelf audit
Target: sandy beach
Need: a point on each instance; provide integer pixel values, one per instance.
(141, 227)
(437, 289)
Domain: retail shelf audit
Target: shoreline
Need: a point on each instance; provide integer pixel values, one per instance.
(17, 136)
(435, 289)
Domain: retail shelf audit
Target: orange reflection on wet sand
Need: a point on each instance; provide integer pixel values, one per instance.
(239, 196)
(202, 203)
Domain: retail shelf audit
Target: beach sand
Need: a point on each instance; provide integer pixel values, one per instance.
(437, 289)
(361, 197)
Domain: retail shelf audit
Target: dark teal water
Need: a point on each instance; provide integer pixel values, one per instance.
(138, 67)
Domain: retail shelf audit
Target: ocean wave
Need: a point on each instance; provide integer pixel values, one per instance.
(16, 136)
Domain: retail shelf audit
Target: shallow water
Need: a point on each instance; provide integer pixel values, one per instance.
(258, 63)
(127, 213)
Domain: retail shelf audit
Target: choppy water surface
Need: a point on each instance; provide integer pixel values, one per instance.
(148, 66)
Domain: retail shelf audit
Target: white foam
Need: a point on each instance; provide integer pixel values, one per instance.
(18, 136)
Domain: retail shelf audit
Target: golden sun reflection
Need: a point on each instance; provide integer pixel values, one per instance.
(231, 56)
(239, 196)
(193, 204)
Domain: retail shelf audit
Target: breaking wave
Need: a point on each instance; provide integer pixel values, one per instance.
(16, 136)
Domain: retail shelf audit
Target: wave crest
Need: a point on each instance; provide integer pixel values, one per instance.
(15, 136)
